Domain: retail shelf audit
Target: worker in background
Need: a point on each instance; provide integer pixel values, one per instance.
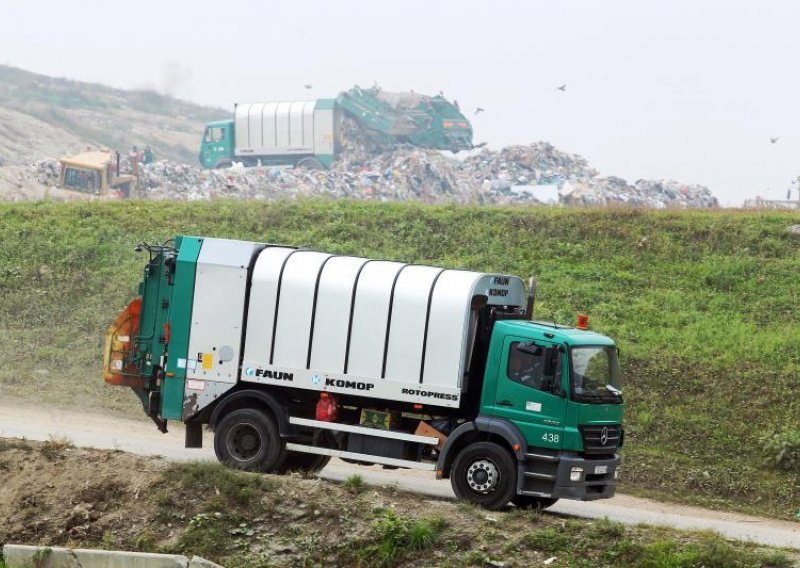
(147, 156)
(136, 159)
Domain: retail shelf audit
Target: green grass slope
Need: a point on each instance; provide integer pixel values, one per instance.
(703, 305)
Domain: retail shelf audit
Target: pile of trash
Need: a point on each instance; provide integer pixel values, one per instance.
(537, 173)
(47, 171)
(516, 172)
(400, 175)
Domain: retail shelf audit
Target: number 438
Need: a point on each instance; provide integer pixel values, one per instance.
(552, 438)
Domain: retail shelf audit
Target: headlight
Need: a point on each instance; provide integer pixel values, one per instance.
(616, 473)
(576, 474)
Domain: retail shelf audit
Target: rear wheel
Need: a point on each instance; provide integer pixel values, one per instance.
(248, 439)
(484, 473)
(531, 502)
(299, 461)
(310, 164)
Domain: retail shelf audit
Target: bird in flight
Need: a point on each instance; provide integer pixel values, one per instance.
(563, 87)
(478, 110)
(774, 139)
(308, 86)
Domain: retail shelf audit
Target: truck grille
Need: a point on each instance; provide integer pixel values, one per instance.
(600, 439)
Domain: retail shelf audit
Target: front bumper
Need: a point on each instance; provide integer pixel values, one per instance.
(548, 475)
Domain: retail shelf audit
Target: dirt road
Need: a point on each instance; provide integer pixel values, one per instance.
(141, 437)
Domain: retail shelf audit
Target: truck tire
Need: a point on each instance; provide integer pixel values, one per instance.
(484, 473)
(311, 164)
(300, 461)
(248, 439)
(531, 502)
(222, 164)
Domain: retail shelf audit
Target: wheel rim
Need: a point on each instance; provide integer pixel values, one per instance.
(483, 475)
(244, 442)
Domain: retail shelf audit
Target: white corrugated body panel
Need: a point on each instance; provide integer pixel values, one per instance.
(296, 126)
(216, 332)
(255, 126)
(242, 127)
(407, 326)
(333, 312)
(295, 308)
(277, 128)
(282, 124)
(261, 310)
(447, 328)
(269, 128)
(324, 129)
(370, 315)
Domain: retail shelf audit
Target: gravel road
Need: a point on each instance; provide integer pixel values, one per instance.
(141, 437)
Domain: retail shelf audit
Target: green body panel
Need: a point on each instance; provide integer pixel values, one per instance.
(214, 153)
(326, 159)
(434, 122)
(180, 313)
(554, 425)
(150, 341)
(580, 413)
(325, 104)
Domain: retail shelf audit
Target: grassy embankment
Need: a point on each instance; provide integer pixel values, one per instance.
(703, 304)
(119, 501)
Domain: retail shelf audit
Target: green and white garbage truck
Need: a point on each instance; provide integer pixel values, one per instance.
(293, 356)
(311, 134)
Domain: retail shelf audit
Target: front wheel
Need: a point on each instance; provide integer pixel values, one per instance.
(485, 473)
(248, 439)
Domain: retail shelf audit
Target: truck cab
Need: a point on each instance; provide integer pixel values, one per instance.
(559, 386)
(216, 148)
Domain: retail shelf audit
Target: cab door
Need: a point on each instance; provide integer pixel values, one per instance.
(217, 145)
(523, 393)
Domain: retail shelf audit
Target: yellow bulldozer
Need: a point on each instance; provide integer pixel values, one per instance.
(96, 173)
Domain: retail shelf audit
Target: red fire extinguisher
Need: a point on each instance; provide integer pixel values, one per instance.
(327, 407)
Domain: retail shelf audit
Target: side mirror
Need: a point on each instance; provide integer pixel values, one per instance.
(551, 382)
(550, 361)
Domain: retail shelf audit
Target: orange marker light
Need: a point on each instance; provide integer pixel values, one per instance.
(417, 407)
(583, 321)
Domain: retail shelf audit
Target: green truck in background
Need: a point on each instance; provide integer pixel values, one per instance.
(311, 134)
(293, 356)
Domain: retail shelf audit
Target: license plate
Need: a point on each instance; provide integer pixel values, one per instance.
(600, 469)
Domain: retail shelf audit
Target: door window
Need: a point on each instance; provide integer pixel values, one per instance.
(215, 134)
(82, 180)
(525, 367)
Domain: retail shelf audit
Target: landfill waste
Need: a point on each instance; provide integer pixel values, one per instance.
(47, 171)
(537, 173)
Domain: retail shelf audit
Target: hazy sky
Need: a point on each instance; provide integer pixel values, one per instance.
(690, 90)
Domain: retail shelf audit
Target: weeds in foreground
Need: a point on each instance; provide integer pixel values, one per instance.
(394, 536)
(55, 446)
(354, 483)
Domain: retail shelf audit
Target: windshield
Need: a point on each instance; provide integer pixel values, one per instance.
(595, 374)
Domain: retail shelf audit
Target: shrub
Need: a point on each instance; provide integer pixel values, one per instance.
(783, 449)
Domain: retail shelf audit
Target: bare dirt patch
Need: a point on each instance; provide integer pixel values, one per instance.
(56, 494)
